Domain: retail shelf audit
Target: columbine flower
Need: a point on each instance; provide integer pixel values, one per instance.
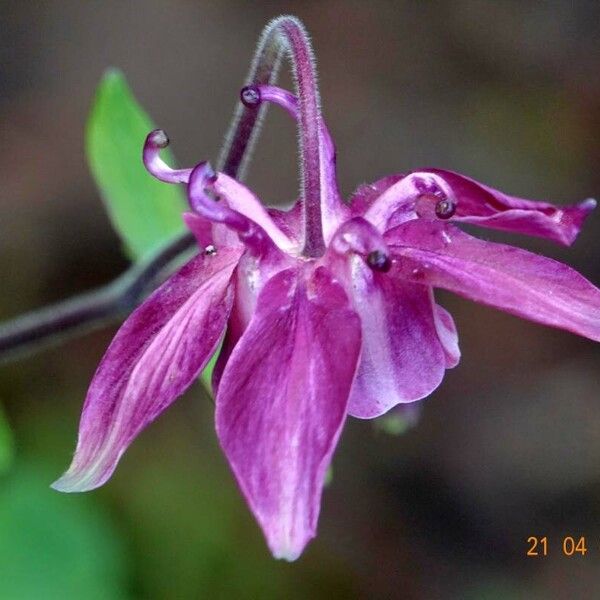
(327, 310)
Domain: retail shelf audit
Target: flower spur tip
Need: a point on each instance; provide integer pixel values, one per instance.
(589, 204)
(250, 96)
(158, 138)
(156, 141)
(379, 261)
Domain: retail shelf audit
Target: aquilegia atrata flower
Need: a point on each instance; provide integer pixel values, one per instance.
(326, 309)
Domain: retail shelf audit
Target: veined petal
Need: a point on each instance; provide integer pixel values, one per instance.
(482, 205)
(402, 359)
(282, 402)
(158, 352)
(514, 280)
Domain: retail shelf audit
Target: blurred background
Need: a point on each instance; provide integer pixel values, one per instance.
(507, 448)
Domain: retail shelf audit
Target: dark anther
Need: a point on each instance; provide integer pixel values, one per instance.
(444, 209)
(250, 96)
(160, 138)
(379, 261)
(210, 250)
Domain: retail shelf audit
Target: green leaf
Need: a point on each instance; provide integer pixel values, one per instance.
(6, 444)
(145, 212)
(56, 546)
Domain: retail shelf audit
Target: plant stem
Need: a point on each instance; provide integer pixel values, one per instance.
(91, 310)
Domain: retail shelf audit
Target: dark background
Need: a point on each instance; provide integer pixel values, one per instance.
(508, 447)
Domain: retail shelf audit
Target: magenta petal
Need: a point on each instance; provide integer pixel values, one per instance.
(447, 334)
(200, 227)
(158, 352)
(482, 205)
(402, 359)
(282, 402)
(250, 276)
(514, 280)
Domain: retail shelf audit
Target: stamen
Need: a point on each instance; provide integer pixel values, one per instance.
(155, 142)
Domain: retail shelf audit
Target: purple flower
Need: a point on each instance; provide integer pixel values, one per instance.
(326, 309)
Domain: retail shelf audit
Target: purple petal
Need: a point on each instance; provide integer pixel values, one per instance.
(402, 359)
(158, 352)
(242, 200)
(487, 207)
(514, 280)
(250, 276)
(447, 334)
(200, 227)
(282, 402)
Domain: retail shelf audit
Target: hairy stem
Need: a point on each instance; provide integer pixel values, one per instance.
(284, 36)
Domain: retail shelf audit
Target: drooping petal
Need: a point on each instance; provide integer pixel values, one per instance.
(158, 352)
(402, 359)
(514, 280)
(282, 402)
(482, 205)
